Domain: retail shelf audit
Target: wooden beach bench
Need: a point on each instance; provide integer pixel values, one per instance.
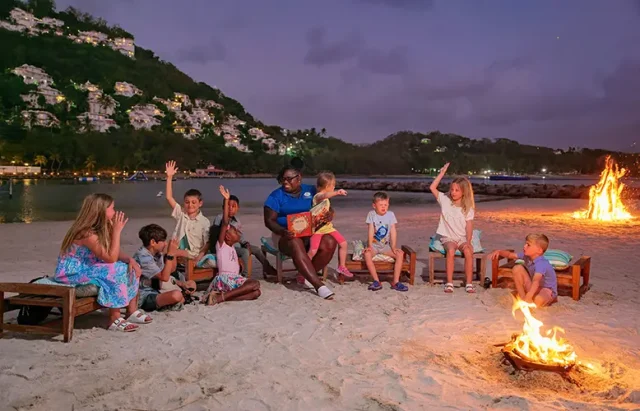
(479, 266)
(43, 295)
(384, 268)
(280, 265)
(572, 281)
(194, 273)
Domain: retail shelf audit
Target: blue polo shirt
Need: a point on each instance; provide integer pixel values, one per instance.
(541, 265)
(285, 204)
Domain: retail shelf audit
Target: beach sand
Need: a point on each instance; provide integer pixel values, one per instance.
(290, 350)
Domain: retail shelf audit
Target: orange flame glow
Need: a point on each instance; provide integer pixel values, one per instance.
(605, 202)
(533, 346)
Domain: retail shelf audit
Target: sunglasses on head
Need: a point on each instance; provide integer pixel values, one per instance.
(290, 179)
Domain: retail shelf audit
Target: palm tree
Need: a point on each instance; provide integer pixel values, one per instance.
(40, 160)
(53, 158)
(90, 163)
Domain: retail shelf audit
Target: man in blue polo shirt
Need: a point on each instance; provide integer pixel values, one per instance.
(290, 198)
(535, 278)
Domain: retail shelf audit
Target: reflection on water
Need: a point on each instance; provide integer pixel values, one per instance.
(50, 200)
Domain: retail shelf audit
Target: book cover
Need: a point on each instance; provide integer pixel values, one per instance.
(306, 223)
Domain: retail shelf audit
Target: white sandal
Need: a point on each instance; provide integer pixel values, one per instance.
(139, 317)
(325, 292)
(124, 326)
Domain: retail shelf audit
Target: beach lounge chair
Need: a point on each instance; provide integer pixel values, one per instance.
(384, 264)
(268, 248)
(198, 274)
(572, 280)
(72, 302)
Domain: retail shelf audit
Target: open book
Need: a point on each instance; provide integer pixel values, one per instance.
(307, 223)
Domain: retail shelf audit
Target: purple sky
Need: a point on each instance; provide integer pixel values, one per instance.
(557, 73)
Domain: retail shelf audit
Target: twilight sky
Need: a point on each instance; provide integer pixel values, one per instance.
(557, 73)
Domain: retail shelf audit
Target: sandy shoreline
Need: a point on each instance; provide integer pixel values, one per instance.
(290, 350)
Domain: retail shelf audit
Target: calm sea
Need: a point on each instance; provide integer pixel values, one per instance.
(51, 200)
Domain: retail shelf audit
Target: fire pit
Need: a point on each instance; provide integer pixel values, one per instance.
(532, 351)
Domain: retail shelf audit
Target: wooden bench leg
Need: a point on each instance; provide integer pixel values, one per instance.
(432, 268)
(279, 267)
(575, 282)
(494, 273)
(68, 314)
(1, 312)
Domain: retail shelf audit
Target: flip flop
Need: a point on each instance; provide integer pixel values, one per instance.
(139, 317)
(123, 326)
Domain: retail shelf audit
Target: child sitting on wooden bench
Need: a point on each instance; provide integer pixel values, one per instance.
(382, 239)
(157, 288)
(455, 228)
(535, 280)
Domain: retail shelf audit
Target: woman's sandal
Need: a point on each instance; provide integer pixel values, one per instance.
(139, 317)
(448, 288)
(470, 288)
(122, 325)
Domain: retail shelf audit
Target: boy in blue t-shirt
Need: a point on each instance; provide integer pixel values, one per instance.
(535, 279)
(381, 239)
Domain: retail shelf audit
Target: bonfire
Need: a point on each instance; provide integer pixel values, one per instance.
(605, 198)
(531, 349)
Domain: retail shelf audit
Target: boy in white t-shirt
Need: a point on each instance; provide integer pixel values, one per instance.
(382, 239)
(229, 285)
(456, 225)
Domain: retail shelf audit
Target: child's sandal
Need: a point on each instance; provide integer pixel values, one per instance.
(470, 288)
(448, 288)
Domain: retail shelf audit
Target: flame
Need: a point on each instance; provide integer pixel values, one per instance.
(533, 346)
(605, 202)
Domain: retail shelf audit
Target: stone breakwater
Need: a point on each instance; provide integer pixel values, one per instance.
(502, 190)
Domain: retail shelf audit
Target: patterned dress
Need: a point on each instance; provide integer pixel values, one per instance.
(80, 266)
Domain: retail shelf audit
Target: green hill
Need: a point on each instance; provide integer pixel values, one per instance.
(229, 137)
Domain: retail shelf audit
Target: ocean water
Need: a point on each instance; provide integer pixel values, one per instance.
(52, 200)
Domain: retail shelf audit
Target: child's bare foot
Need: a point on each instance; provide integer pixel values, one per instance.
(214, 298)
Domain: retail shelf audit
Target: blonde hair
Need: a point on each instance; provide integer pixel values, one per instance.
(91, 219)
(467, 200)
(325, 178)
(540, 240)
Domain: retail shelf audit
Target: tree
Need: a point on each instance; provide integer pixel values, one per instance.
(40, 160)
(54, 157)
(90, 163)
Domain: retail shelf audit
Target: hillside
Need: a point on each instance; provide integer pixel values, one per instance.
(78, 94)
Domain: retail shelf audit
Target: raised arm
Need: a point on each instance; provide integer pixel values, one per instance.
(434, 186)
(225, 215)
(170, 170)
(324, 196)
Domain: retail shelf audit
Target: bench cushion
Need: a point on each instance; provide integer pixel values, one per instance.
(436, 245)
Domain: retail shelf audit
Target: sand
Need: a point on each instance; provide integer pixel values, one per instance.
(290, 350)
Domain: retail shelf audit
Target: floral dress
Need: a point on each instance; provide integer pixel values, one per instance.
(81, 266)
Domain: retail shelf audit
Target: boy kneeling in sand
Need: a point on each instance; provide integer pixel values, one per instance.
(157, 288)
(536, 279)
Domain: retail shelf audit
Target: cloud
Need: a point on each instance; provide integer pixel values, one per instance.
(214, 50)
(394, 61)
(322, 52)
(367, 60)
(421, 5)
